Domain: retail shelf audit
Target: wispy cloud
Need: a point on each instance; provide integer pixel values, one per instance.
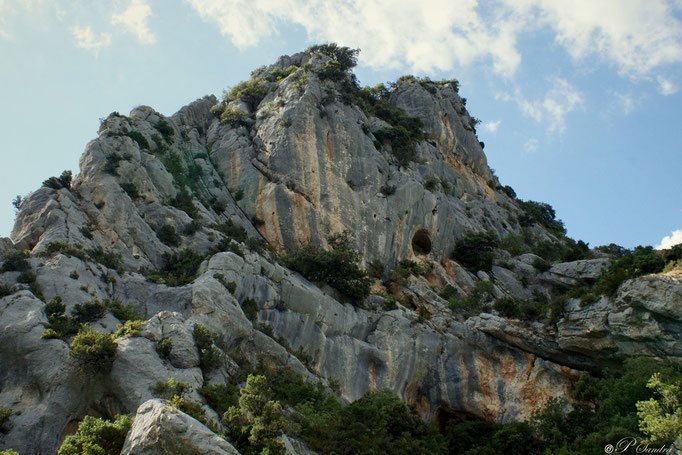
(637, 36)
(531, 146)
(665, 86)
(86, 39)
(626, 101)
(491, 127)
(134, 19)
(671, 240)
(559, 100)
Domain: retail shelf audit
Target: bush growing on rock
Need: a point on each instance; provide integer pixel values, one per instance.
(338, 266)
(473, 303)
(96, 436)
(5, 415)
(475, 251)
(638, 262)
(57, 183)
(178, 268)
(90, 311)
(16, 261)
(164, 348)
(251, 92)
(209, 355)
(168, 235)
(346, 57)
(233, 115)
(94, 351)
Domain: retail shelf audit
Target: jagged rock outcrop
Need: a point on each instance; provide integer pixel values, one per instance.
(302, 164)
(161, 428)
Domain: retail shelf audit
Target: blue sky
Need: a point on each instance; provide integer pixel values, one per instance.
(580, 101)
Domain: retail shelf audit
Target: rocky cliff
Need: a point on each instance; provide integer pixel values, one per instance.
(299, 154)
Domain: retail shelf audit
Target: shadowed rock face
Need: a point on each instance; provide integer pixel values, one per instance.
(305, 165)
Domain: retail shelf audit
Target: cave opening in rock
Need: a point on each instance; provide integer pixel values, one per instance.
(443, 417)
(421, 242)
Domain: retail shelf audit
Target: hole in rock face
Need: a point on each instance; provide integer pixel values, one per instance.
(421, 242)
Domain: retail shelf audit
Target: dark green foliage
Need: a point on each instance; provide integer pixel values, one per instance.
(232, 230)
(473, 303)
(178, 268)
(401, 142)
(346, 57)
(96, 436)
(164, 348)
(228, 244)
(63, 248)
(123, 312)
(389, 304)
(431, 184)
(250, 309)
(507, 307)
(108, 259)
(239, 195)
(233, 116)
(332, 71)
(139, 139)
(209, 356)
(131, 190)
(5, 290)
(5, 415)
(17, 202)
(89, 311)
(220, 397)
(509, 191)
(168, 235)
(278, 74)
(94, 351)
(338, 266)
(16, 261)
(376, 268)
(475, 251)
(638, 262)
(405, 268)
(169, 388)
(614, 250)
(543, 214)
(448, 291)
(251, 92)
(387, 190)
(183, 201)
(60, 324)
(257, 222)
(111, 164)
(556, 308)
(56, 183)
(166, 130)
(86, 231)
(541, 265)
(377, 423)
(30, 278)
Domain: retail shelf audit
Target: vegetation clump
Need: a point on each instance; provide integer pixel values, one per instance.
(94, 351)
(178, 269)
(96, 436)
(57, 183)
(638, 262)
(475, 251)
(338, 266)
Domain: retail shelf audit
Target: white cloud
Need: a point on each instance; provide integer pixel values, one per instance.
(531, 146)
(637, 36)
(491, 127)
(134, 19)
(86, 39)
(560, 99)
(665, 86)
(626, 101)
(671, 240)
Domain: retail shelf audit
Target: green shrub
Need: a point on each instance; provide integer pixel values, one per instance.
(163, 127)
(278, 74)
(250, 309)
(338, 266)
(232, 230)
(128, 329)
(543, 214)
(94, 351)
(111, 163)
(346, 57)
(9, 452)
(89, 311)
(220, 397)
(514, 244)
(431, 184)
(5, 290)
(96, 436)
(5, 415)
(376, 268)
(251, 92)
(218, 109)
(123, 312)
(209, 355)
(472, 304)
(56, 183)
(405, 268)
(178, 268)
(170, 387)
(139, 139)
(401, 142)
(183, 201)
(60, 325)
(475, 251)
(640, 261)
(256, 423)
(541, 265)
(387, 190)
(131, 190)
(168, 235)
(16, 261)
(108, 259)
(233, 116)
(164, 348)
(188, 407)
(507, 307)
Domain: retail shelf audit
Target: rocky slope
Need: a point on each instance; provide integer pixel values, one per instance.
(303, 161)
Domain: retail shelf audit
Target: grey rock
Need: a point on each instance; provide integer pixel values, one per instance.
(161, 428)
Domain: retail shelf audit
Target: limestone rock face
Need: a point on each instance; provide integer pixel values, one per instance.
(304, 163)
(161, 428)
